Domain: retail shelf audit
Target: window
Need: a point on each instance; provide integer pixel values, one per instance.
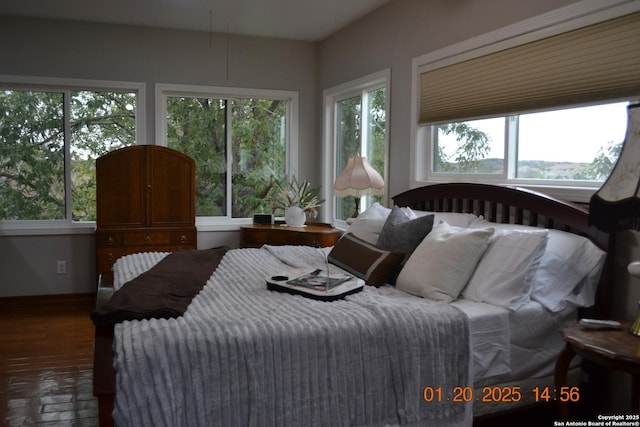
(526, 105)
(241, 142)
(568, 145)
(358, 114)
(49, 140)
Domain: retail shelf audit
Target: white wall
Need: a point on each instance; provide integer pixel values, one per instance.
(28, 265)
(73, 50)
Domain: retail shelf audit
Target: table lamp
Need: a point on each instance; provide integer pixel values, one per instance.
(358, 179)
(616, 205)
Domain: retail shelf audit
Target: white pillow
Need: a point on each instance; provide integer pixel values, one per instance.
(569, 272)
(368, 225)
(504, 276)
(569, 269)
(455, 219)
(443, 262)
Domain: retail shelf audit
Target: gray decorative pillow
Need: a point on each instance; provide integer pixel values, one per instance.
(401, 234)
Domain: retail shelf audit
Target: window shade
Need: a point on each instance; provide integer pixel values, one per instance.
(598, 62)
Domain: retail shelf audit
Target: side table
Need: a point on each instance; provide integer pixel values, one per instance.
(618, 350)
(313, 234)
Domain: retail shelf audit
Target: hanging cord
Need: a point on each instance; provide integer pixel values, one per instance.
(210, 28)
(227, 49)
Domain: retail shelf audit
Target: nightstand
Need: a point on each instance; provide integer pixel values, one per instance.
(617, 350)
(313, 234)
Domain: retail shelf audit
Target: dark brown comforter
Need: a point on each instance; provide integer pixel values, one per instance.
(164, 291)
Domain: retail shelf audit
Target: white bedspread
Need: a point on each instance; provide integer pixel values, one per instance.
(245, 356)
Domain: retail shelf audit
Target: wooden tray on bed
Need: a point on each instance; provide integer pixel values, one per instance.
(281, 282)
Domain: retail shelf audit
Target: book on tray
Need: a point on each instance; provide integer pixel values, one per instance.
(319, 280)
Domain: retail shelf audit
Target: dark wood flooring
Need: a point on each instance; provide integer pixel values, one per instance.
(46, 361)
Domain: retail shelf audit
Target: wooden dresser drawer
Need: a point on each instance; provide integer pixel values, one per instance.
(110, 255)
(280, 238)
(108, 239)
(317, 239)
(188, 238)
(254, 236)
(146, 238)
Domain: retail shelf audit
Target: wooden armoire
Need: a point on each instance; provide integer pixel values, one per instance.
(145, 200)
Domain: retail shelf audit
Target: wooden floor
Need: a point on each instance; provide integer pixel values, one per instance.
(46, 361)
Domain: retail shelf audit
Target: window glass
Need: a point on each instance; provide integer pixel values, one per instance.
(100, 122)
(254, 152)
(33, 181)
(259, 149)
(569, 144)
(32, 155)
(197, 127)
(361, 123)
(475, 146)
(574, 144)
(349, 136)
(377, 131)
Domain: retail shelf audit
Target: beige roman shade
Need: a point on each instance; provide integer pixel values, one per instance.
(598, 62)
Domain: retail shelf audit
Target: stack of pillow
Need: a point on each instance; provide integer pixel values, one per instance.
(446, 256)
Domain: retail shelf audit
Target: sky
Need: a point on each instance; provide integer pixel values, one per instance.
(574, 134)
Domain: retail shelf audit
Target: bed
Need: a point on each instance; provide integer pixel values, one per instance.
(244, 355)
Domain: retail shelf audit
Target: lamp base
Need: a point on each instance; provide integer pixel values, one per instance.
(634, 270)
(634, 329)
(356, 212)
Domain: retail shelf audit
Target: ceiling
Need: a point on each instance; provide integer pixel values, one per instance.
(310, 20)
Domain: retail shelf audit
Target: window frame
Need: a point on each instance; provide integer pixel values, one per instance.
(66, 86)
(511, 140)
(574, 16)
(164, 90)
(331, 97)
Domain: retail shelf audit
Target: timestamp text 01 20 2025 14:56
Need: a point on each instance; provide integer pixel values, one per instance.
(501, 394)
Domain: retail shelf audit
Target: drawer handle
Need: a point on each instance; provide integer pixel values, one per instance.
(183, 239)
(147, 238)
(110, 256)
(110, 241)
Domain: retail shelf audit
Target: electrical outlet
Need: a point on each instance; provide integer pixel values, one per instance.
(61, 267)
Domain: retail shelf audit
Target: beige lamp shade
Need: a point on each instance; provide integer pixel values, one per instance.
(358, 179)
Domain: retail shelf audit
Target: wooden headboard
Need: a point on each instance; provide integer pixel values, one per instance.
(514, 205)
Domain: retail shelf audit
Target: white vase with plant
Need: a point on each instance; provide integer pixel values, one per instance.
(297, 199)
